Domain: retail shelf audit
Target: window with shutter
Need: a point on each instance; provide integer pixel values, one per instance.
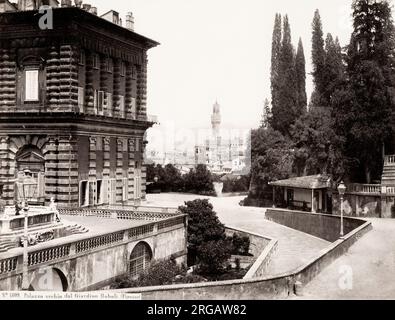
(100, 102)
(95, 100)
(105, 199)
(122, 106)
(96, 61)
(109, 103)
(92, 193)
(109, 65)
(81, 99)
(112, 191)
(31, 85)
(123, 69)
(84, 193)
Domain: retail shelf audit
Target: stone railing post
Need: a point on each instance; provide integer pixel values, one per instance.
(73, 249)
(19, 264)
(156, 228)
(385, 212)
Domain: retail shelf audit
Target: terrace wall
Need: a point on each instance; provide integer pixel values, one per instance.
(91, 263)
(259, 288)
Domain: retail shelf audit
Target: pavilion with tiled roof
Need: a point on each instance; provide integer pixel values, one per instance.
(305, 193)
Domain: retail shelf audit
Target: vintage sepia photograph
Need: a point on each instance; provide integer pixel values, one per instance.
(197, 150)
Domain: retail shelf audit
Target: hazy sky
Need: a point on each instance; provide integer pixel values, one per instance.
(220, 49)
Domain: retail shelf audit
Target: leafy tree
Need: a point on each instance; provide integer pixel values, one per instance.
(239, 184)
(285, 113)
(206, 236)
(362, 109)
(315, 144)
(199, 180)
(272, 159)
(172, 178)
(151, 172)
(240, 245)
(276, 53)
(300, 69)
(159, 273)
(213, 256)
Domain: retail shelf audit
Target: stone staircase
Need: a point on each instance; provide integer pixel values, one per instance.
(6, 245)
(388, 176)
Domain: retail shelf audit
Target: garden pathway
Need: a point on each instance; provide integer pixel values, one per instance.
(295, 248)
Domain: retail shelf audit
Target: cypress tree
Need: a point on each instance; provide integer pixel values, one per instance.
(267, 115)
(276, 51)
(363, 108)
(300, 69)
(318, 58)
(333, 74)
(285, 113)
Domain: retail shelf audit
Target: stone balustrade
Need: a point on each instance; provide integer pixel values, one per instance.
(37, 216)
(364, 188)
(69, 250)
(390, 159)
(124, 213)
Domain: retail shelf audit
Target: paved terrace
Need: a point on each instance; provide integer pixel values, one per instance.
(295, 248)
(370, 263)
(98, 223)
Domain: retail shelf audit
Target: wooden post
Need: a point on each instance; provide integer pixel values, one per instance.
(274, 197)
(312, 201)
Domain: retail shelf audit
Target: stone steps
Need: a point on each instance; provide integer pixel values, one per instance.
(7, 245)
(76, 229)
(388, 175)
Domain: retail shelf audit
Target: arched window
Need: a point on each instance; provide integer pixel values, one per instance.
(50, 280)
(140, 259)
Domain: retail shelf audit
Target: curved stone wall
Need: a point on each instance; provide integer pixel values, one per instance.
(323, 226)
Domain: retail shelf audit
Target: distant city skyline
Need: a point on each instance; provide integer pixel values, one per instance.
(220, 50)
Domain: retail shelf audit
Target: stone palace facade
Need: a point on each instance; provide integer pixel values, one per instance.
(72, 107)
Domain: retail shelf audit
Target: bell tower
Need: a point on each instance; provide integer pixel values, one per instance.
(216, 119)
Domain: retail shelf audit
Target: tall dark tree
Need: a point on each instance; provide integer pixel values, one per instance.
(275, 67)
(266, 115)
(333, 71)
(285, 113)
(318, 59)
(300, 69)
(363, 107)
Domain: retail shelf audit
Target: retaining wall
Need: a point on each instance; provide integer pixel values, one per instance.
(279, 287)
(261, 247)
(323, 226)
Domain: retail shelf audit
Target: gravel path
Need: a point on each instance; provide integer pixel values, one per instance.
(295, 248)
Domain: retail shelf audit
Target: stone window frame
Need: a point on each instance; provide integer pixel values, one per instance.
(123, 69)
(109, 63)
(28, 63)
(96, 61)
